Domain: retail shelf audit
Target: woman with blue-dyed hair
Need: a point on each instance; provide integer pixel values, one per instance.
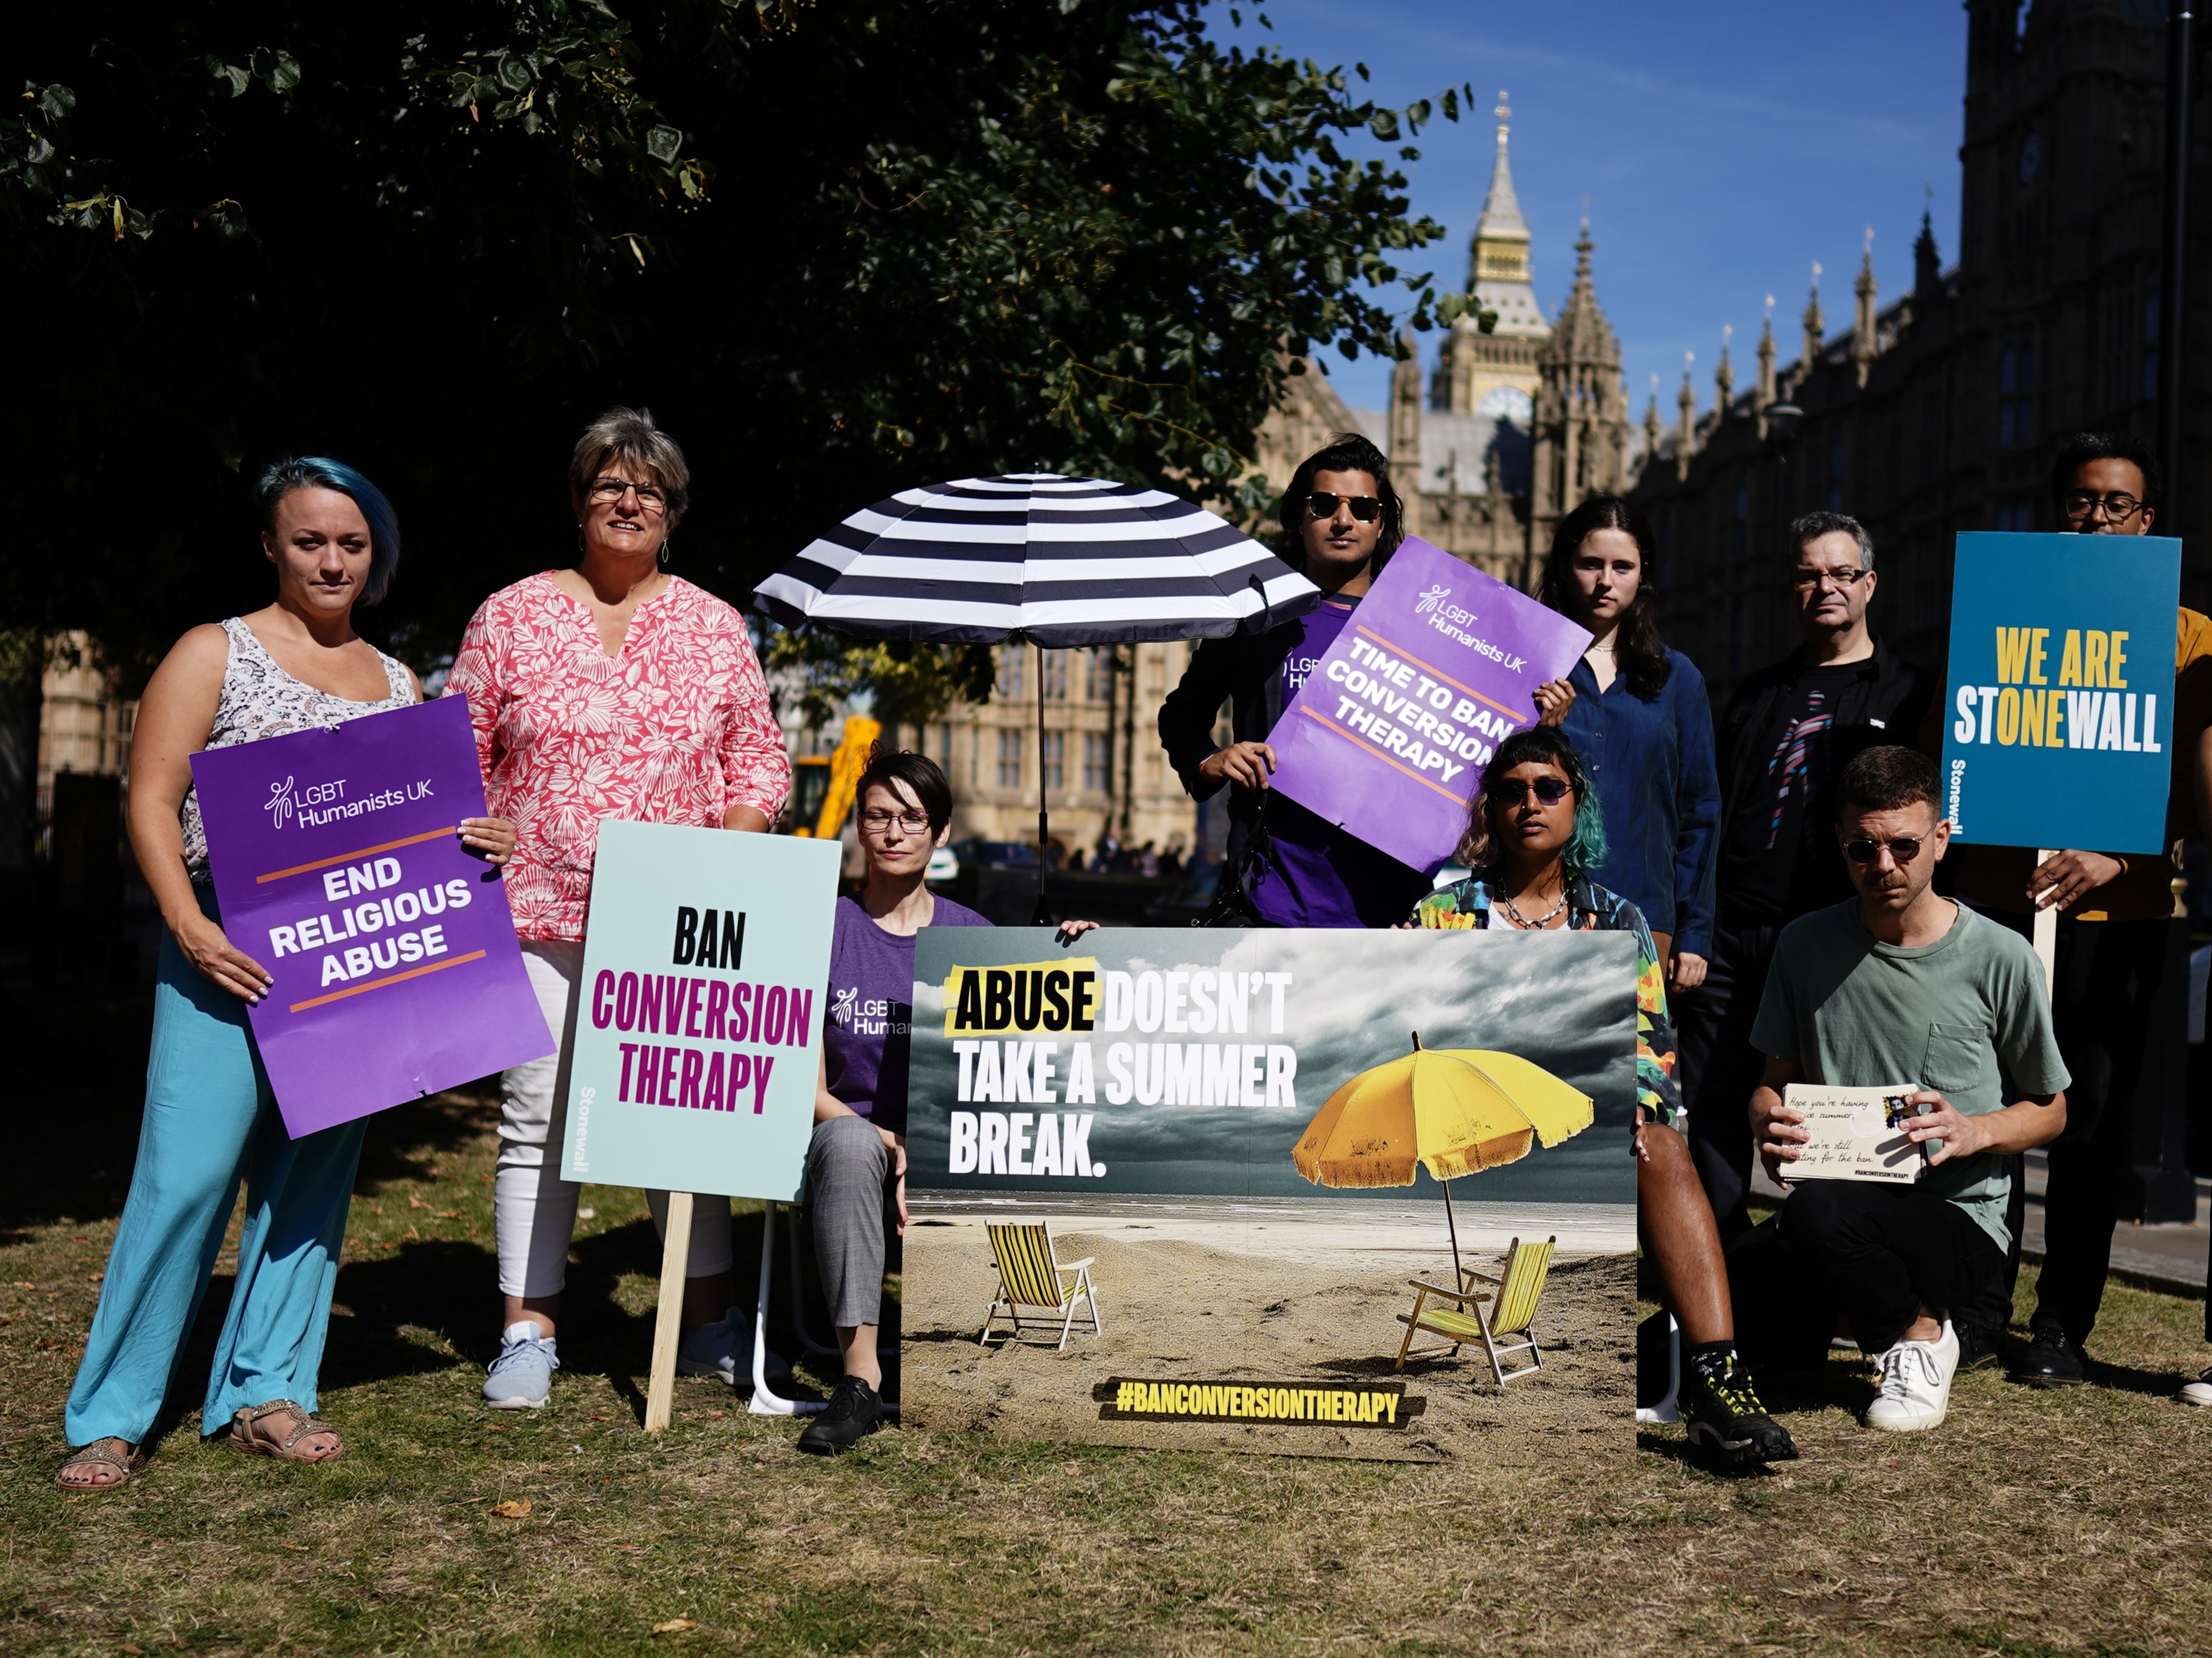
(210, 1118)
(1534, 832)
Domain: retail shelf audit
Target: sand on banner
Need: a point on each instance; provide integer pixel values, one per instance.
(1262, 1301)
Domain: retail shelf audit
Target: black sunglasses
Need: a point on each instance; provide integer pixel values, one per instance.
(1549, 791)
(1322, 504)
(1905, 849)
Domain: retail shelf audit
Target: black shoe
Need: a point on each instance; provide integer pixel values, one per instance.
(1725, 1417)
(853, 1413)
(2052, 1360)
(1977, 1348)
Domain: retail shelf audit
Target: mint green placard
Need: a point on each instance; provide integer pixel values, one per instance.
(699, 1022)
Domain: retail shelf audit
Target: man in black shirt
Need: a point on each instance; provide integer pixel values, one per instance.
(1786, 735)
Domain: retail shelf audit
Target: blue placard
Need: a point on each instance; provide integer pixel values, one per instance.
(2058, 727)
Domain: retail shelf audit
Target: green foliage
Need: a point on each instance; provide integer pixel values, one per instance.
(839, 250)
(909, 684)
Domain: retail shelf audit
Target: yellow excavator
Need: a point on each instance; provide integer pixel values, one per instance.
(822, 786)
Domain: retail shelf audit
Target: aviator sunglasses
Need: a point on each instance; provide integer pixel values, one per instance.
(1548, 790)
(1322, 504)
(1905, 849)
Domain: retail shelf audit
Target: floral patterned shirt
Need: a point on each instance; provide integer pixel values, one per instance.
(676, 729)
(1590, 908)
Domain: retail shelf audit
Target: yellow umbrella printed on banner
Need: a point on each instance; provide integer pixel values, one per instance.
(1455, 1110)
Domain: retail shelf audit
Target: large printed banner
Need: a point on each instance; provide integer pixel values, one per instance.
(698, 1029)
(1389, 736)
(339, 867)
(2059, 699)
(1229, 1130)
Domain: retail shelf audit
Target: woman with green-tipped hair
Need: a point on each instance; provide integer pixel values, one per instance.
(1533, 834)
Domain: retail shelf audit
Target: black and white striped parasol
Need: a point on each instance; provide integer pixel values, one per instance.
(1057, 561)
(1061, 561)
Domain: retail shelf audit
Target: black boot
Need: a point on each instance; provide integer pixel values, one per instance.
(1724, 1414)
(853, 1413)
(2052, 1359)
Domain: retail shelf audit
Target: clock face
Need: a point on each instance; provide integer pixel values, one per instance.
(2031, 157)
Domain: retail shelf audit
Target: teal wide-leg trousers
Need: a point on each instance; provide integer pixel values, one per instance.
(211, 1122)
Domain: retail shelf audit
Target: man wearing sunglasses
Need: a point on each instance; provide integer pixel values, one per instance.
(1900, 985)
(1786, 733)
(1286, 866)
(2109, 977)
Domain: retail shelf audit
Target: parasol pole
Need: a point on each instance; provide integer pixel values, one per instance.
(1459, 1275)
(1041, 914)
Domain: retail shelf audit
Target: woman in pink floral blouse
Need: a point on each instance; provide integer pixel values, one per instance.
(612, 689)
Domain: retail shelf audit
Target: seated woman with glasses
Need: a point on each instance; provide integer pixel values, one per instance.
(859, 1145)
(1533, 835)
(1286, 866)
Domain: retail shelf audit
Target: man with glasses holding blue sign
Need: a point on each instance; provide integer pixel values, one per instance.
(2111, 965)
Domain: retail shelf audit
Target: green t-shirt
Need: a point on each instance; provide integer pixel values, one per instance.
(1966, 1016)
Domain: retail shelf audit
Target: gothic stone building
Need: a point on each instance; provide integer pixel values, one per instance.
(1939, 411)
(1507, 430)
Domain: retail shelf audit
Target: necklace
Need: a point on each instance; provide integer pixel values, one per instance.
(1541, 921)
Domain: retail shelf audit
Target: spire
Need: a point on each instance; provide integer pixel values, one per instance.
(1863, 291)
(1651, 427)
(1497, 281)
(1762, 392)
(1686, 441)
(1723, 376)
(1927, 263)
(1813, 325)
(1501, 218)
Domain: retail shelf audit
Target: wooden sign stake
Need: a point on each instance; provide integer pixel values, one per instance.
(2046, 937)
(668, 1321)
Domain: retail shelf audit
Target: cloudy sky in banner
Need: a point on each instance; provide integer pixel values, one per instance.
(1565, 1001)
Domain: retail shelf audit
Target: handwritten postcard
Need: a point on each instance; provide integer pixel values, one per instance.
(1857, 1134)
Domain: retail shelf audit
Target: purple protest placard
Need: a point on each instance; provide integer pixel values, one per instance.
(338, 868)
(1389, 733)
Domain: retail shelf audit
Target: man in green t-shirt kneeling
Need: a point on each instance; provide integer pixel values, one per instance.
(1900, 986)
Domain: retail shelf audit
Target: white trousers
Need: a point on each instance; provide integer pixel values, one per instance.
(533, 1209)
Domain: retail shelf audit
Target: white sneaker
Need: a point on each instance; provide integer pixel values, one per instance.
(725, 1349)
(522, 1375)
(1916, 1384)
(2198, 1392)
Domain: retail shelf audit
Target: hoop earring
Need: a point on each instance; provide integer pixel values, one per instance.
(667, 550)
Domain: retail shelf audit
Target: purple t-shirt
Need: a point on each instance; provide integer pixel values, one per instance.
(866, 1042)
(1317, 874)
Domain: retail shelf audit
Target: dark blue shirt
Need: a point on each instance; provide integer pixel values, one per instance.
(1652, 763)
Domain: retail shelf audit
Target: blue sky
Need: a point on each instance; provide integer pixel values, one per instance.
(1723, 146)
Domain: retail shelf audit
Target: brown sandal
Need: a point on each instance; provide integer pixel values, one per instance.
(101, 1454)
(242, 1437)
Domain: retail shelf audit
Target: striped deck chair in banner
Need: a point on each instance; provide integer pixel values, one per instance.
(1031, 1275)
(1511, 1311)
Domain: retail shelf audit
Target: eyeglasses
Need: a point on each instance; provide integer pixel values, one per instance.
(1905, 849)
(650, 496)
(1548, 790)
(1322, 504)
(2118, 508)
(1806, 581)
(882, 822)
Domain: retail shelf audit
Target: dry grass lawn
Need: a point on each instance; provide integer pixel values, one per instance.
(2030, 1525)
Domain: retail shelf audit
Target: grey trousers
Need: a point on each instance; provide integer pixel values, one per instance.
(847, 1168)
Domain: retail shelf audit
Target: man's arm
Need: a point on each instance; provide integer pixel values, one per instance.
(2021, 1127)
